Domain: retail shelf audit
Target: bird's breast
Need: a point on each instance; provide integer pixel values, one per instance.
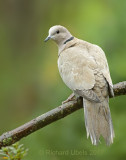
(73, 65)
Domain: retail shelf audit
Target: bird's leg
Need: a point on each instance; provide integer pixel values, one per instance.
(70, 98)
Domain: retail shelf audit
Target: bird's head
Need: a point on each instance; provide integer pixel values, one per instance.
(59, 34)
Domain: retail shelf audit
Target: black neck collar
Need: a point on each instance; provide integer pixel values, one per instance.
(71, 38)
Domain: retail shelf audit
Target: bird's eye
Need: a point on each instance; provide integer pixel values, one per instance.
(57, 32)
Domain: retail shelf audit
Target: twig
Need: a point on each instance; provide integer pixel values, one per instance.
(62, 111)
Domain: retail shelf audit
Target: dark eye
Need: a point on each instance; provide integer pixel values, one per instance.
(57, 32)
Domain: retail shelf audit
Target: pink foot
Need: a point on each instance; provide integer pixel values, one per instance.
(70, 98)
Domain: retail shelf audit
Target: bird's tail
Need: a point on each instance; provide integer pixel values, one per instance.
(98, 121)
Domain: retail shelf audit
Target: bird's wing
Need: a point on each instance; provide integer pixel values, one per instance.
(101, 60)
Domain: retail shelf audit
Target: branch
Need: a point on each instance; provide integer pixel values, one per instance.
(62, 111)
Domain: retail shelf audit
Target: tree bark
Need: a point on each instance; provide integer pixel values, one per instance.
(47, 118)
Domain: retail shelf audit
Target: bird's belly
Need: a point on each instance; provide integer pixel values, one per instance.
(65, 70)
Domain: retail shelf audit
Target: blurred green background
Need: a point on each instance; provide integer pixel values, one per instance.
(30, 83)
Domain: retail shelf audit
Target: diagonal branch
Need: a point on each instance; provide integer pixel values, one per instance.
(62, 111)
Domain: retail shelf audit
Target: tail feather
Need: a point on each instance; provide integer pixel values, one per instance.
(98, 121)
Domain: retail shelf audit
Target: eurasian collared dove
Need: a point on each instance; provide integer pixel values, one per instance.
(84, 69)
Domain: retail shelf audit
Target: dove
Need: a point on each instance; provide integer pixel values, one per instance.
(84, 69)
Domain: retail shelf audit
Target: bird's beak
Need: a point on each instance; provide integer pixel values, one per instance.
(48, 38)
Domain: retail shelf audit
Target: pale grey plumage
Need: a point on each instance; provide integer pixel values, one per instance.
(84, 69)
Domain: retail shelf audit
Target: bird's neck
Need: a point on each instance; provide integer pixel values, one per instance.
(69, 39)
(67, 43)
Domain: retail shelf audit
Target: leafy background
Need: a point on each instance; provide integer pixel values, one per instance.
(30, 83)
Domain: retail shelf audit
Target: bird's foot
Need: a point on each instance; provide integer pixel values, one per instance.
(70, 98)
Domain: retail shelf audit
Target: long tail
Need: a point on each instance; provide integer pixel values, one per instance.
(98, 121)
